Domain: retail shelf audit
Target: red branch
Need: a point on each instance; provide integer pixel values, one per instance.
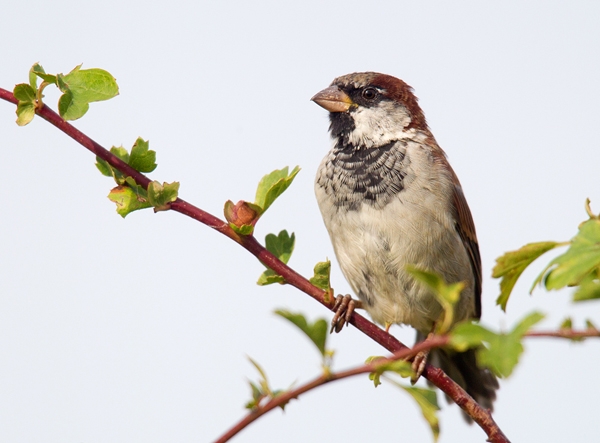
(435, 375)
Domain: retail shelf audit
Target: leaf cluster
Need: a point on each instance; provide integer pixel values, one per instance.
(578, 266)
(499, 352)
(128, 195)
(262, 390)
(242, 216)
(79, 88)
(281, 246)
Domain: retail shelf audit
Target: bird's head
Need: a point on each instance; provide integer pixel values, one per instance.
(369, 110)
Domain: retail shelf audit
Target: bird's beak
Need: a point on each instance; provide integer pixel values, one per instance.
(333, 99)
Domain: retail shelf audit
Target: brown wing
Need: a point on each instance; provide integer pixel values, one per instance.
(466, 230)
(464, 221)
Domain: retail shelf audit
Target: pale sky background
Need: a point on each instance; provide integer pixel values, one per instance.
(137, 329)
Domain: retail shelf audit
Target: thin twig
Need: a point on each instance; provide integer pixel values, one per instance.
(571, 334)
(435, 375)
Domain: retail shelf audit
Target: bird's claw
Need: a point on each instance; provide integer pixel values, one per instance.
(418, 366)
(343, 307)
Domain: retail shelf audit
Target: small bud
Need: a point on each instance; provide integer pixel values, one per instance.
(242, 213)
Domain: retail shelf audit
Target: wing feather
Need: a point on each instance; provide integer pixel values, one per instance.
(466, 229)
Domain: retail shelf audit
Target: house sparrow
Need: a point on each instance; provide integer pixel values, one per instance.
(389, 198)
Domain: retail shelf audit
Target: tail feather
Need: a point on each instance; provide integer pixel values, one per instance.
(480, 383)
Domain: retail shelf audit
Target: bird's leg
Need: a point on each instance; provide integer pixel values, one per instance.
(343, 307)
(420, 360)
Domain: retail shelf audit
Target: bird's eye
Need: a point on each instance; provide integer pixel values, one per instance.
(369, 93)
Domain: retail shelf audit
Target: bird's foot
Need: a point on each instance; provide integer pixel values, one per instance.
(343, 307)
(420, 360)
(418, 365)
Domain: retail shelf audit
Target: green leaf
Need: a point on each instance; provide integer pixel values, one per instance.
(37, 70)
(26, 106)
(245, 230)
(582, 257)
(499, 352)
(269, 277)
(467, 335)
(263, 375)
(32, 77)
(447, 294)
(81, 87)
(321, 277)
(280, 246)
(450, 293)
(566, 324)
(142, 159)
(589, 289)
(400, 367)
(427, 401)
(590, 325)
(374, 376)
(316, 332)
(262, 391)
(120, 152)
(161, 196)
(25, 113)
(67, 107)
(527, 323)
(138, 189)
(273, 185)
(24, 93)
(258, 392)
(511, 265)
(104, 167)
(127, 200)
(257, 396)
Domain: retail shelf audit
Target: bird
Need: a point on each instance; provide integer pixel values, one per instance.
(389, 198)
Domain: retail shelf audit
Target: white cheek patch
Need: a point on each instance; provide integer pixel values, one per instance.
(380, 125)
